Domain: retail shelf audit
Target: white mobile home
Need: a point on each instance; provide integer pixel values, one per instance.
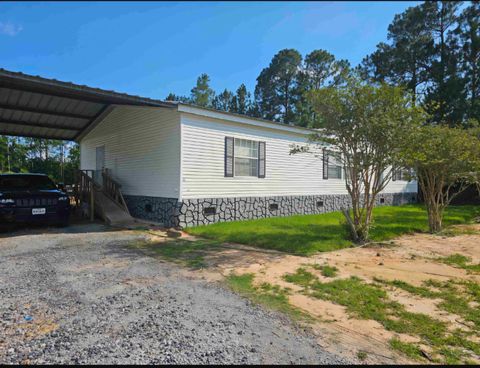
(184, 165)
(178, 164)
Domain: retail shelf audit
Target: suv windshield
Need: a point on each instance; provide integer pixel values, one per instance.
(25, 182)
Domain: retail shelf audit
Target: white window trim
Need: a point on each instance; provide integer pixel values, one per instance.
(235, 156)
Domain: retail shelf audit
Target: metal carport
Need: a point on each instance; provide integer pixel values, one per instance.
(33, 106)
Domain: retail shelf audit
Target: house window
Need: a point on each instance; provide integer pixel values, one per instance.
(335, 166)
(401, 174)
(246, 157)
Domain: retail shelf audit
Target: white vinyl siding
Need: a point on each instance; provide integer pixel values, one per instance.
(161, 152)
(203, 162)
(142, 149)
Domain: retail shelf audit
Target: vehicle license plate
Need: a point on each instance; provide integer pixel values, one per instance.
(39, 211)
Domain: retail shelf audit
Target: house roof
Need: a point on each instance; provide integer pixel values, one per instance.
(240, 118)
(33, 106)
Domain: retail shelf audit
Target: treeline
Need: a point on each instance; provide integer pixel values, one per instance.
(58, 159)
(432, 49)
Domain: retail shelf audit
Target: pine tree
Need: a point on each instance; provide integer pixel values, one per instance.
(468, 35)
(320, 69)
(405, 60)
(223, 101)
(444, 81)
(202, 94)
(276, 93)
(177, 98)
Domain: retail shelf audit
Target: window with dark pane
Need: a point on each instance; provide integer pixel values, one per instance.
(246, 157)
(335, 166)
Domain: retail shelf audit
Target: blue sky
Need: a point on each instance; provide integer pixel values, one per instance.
(154, 48)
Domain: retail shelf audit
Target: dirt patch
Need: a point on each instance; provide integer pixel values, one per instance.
(413, 259)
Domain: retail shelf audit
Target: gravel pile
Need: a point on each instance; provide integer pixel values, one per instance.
(86, 298)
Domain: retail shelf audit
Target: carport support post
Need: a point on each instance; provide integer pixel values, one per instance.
(92, 209)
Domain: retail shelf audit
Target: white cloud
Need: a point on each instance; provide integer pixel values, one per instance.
(10, 29)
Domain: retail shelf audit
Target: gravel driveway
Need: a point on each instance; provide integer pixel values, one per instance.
(82, 296)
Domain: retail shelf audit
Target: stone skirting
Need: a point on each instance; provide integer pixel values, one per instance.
(194, 212)
(155, 209)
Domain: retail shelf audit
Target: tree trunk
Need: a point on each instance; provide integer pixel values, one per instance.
(434, 218)
(353, 228)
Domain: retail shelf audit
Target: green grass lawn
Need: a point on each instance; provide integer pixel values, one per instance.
(308, 234)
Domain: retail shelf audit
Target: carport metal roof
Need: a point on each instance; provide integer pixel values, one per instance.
(32, 106)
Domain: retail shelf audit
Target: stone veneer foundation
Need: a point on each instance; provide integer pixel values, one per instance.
(193, 212)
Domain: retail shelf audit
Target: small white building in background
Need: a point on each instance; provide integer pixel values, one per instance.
(185, 166)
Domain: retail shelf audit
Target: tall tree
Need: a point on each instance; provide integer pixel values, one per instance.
(405, 60)
(468, 35)
(224, 101)
(276, 93)
(320, 69)
(242, 103)
(202, 94)
(445, 84)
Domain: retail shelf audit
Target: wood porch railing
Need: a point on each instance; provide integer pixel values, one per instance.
(86, 187)
(85, 190)
(112, 189)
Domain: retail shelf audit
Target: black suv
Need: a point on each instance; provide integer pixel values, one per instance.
(32, 198)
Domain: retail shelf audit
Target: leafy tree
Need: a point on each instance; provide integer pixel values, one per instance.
(276, 93)
(58, 159)
(445, 161)
(72, 162)
(13, 154)
(202, 94)
(365, 126)
(4, 152)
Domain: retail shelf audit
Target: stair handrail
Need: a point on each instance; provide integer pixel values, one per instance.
(113, 189)
(85, 190)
